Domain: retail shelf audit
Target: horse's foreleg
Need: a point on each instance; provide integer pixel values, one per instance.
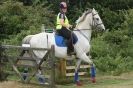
(93, 73)
(76, 77)
(87, 59)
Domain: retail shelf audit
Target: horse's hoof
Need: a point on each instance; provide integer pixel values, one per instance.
(78, 83)
(41, 80)
(93, 80)
(25, 76)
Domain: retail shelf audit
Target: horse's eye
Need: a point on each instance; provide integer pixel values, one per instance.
(97, 19)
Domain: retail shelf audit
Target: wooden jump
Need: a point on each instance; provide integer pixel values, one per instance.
(69, 71)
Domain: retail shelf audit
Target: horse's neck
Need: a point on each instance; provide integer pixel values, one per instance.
(85, 28)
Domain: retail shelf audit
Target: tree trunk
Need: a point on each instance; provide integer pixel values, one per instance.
(2, 75)
(0, 63)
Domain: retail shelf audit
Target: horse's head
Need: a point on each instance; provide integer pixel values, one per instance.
(90, 19)
(97, 20)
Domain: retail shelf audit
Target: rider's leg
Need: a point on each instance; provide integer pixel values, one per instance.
(68, 35)
(70, 46)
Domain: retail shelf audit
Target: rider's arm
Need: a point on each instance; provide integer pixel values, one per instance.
(63, 22)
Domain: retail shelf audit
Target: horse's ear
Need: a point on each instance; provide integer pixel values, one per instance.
(93, 9)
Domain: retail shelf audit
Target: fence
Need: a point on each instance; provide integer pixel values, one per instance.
(18, 59)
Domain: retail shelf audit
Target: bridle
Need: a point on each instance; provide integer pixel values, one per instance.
(94, 25)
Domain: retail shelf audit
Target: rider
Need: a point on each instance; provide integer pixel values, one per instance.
(63, 27)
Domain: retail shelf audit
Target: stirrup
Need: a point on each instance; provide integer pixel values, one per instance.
(71, 53)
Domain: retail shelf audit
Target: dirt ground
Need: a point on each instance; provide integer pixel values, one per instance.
(123, 81)
(16, 84)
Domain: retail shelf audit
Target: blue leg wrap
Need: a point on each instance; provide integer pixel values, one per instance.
(40, 78)
(76, 77)
(93, 71)
(25, 73)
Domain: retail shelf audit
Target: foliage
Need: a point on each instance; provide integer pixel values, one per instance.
(16, 19)
(117, 56)
(111, 50)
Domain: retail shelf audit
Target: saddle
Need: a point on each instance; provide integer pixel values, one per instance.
(62, 42)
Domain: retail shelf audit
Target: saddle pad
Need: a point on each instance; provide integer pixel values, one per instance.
(60, 41)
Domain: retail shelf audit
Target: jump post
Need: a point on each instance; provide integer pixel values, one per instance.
(65, 69)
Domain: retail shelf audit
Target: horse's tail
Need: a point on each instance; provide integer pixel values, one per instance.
(27, 39)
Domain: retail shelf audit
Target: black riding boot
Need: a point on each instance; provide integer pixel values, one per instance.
(70, 47)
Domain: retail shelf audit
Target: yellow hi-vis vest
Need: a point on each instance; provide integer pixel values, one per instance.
(58, 24)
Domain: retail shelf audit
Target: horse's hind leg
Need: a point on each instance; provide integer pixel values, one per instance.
(22, 53)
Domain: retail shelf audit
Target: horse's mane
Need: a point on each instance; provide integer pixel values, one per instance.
(81, 19)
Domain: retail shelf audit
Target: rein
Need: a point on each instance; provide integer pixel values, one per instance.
(83, 33)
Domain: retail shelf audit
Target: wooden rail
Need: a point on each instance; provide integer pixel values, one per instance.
(22, 47)
(82, 66)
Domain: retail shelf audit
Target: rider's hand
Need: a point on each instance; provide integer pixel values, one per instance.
(70, 26)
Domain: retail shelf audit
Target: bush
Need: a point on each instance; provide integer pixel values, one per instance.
(17, 21)
(99, 47)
